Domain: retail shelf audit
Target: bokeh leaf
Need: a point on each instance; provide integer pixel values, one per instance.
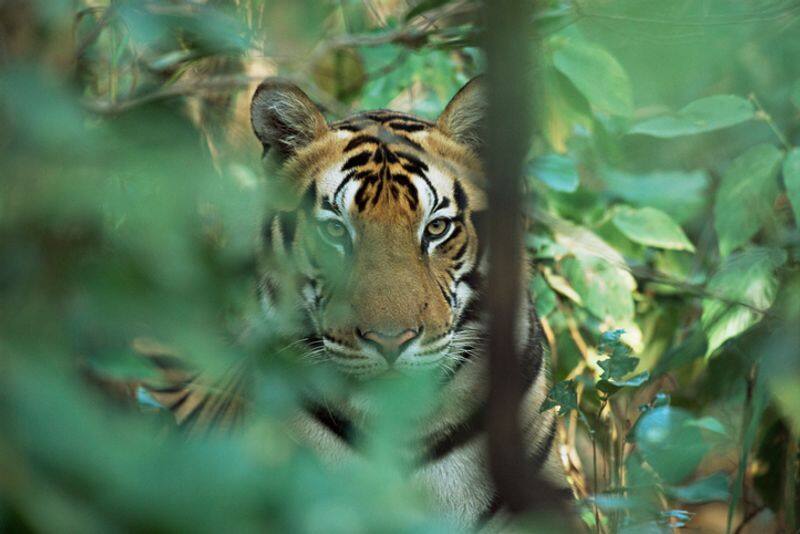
(682, 195)
(671, 446)
(597, 74)
(745, 196)
(704, 115)
(791, 177)
(558, 172)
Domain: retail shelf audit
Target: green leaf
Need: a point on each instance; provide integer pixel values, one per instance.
(795, 95)
(597, 75)
(605, 289)
(670, 445)
(747, 277)
(651, 227)
(791, 177)
(745, 196)
(682, 195)
(704, 115)
(563, 395)
(557, 171)
(617, 367)
(544, 297)
(561, 285)
(710, 488)
(632, 382)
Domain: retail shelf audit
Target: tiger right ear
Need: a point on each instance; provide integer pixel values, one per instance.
(463, 118)
(284, 118)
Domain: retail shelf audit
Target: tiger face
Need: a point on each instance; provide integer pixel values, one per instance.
(383, 227)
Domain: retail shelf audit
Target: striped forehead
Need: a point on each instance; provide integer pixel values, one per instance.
(392, 151)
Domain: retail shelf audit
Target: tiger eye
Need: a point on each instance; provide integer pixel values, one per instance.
(334, 229)
(437, 228)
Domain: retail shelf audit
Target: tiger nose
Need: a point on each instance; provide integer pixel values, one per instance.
(390, 345)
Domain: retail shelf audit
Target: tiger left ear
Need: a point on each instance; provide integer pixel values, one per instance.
(462, 119)
(284, 118)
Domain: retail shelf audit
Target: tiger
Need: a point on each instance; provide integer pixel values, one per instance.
(382, 221)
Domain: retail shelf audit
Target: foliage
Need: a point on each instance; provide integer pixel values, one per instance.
(663, 205)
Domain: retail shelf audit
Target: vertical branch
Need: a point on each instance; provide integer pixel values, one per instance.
(508, 127)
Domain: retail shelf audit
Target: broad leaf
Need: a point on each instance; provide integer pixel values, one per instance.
(597, 74)
(682, 195)
(651, 227)
(747, 277)
(671, 446)
(605, 289)
(791, 177)
(745, 196)
(557, 171)
(704, 115)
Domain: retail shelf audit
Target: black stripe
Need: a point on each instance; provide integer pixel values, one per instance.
(350, 127)
(336, 423)
(412, 159)
(471, 427)
(461, 196)
(361, 140)
(538, 459)
(407, 126)
(356, 161)
(491, 511)
(460, 252)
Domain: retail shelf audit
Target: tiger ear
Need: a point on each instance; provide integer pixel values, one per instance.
(463, 118)
(284, 118)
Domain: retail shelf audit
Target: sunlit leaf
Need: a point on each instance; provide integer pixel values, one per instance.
(745, 196)
(748, 278)
(651, 227)
(605, 289)
(704, 115)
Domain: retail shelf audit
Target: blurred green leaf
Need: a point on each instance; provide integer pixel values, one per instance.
(597, 74)
(670, 445)
(422, 6)
(682, 195)
(795, 94)
(791, 177)
(745, 196)
(558, 172)
(544, 298)
(747, 277)
(651, 227)
(711, 488)
(704, 115)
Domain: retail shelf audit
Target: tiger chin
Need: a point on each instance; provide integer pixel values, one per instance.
(381, 226)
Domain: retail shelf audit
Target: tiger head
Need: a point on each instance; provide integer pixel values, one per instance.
(383, 229)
